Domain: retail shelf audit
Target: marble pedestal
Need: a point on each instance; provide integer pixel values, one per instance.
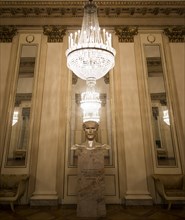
(91, 184)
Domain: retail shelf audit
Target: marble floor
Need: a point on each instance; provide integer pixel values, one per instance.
(114, 212)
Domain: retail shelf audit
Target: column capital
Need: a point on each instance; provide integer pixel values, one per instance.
(126, 33)
(7, 33)
(175, 34)
(55, 33)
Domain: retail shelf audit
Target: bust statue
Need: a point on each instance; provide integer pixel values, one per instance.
(91, 129)
(90, 200)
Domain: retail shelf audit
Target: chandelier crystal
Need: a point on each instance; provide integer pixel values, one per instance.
(90, 53)
(90, 102)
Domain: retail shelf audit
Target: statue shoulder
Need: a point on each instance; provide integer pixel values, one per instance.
(102, 146)
(106, 146)
(77, 146)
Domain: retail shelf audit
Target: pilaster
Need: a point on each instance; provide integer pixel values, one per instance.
(136, 192)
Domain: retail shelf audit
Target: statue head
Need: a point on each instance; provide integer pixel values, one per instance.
(90, 128)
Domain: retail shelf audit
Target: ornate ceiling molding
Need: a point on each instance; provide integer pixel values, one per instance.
(7, 33)
(126, 34)
(55, 33)
(105, 8)
(80, 3)
(175, 34)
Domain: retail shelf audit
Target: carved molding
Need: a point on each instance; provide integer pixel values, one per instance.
(126, 34)
(55, 33)
(80, 3)
(7, 33)
(175, 34)
(105, 8)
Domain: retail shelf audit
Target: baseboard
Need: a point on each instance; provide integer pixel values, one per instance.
(43, 200)
(130, 200)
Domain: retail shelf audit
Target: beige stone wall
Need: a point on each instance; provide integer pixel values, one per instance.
(5, 50)
(178, 62)
(7, 67)
(48, 141)
(135, 167)
(51, 118)
(53, 124)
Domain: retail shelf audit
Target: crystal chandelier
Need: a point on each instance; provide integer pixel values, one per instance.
(90, 53)
(90, 102)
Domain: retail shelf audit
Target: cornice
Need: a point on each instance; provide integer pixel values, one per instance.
(98, 3)
(105, 8)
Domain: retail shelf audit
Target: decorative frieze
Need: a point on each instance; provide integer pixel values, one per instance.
(175, 34)
(7, 33)
(105, 8)
(55, 33)
(126, 34)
